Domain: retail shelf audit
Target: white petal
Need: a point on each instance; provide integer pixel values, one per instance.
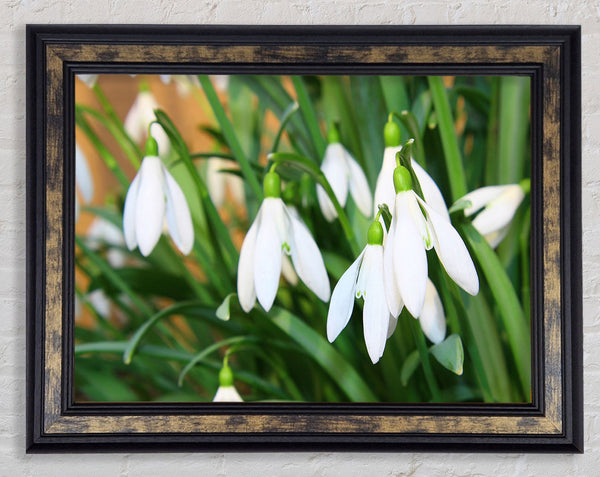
(375, 311)
(150, 204)
(452, 252)
(359, 187)
(179, 219)
(236, 188)
(384, 190)
(287, 270)
(393, 322)
(392, 293)
(431, 192)
(245, 279)
(336, 171)
(132, 123)
(481, 197)
(494, 238)
(129, 212)
(89, 80)
(327, 208)
(162, 140)
(227, 394)
(83, 177)
(215, 181)
(166, 79)
(267, 255)
(342, 300)
(432, 319)
(499, 213)
(307, 259)
(410, 259)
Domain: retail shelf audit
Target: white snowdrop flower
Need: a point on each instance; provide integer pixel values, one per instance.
(103, 232)
(276, 231)
(83, 180)
(219, 182)
(384, 189)
(343, 173)
(89, 80)
(220, 82)
(226, 391)
(139, 117)
(415, 228)
(498, 205)
(183, 83)
(364, 278)
(152, 195)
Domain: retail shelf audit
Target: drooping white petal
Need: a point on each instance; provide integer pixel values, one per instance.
(342, 300)
(327, 208)
(132, 123)
(235, 184)
(384, 189)
(227, 394)
(83, 177)
(287, 270)
(432, 319)
(393, 322)
(494, 238)
(215, 181)
(431, 192)
(102, 231)
(129, 211)
(267, 254)
(452, 252)
(307, 258)
(361, 281)
(409, 257)
(375, 311)
(245, 279)
(479, 198)
(392, 293)
(150, 204)
(499, 213)
(359, 187)
(179, 219)
(162, 140)
(335, 169)
(220, 82)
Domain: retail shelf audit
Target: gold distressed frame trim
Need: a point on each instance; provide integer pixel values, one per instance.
(549, 423)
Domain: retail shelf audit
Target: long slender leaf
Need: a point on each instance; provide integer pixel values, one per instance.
(322, 352)
(514, 321)
(452, 156)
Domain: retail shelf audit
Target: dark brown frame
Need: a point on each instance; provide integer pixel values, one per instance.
(549, 55)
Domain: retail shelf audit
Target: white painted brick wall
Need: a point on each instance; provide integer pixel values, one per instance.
(15, 14)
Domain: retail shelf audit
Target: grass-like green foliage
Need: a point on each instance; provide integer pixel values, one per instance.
(177, 323)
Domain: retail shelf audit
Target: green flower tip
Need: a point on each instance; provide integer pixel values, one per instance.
(402, 179)
(375, 234)
(225, 376)
(333, 135)
(144, 86)
(525, 185)
(272, 185)
(151, 147)
(391, 134)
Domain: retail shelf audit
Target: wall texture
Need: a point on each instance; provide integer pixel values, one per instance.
(14, 14)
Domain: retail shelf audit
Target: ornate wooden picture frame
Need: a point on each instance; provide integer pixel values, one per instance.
(548, 55)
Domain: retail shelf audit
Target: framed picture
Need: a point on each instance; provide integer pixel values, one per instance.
(292, 238)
